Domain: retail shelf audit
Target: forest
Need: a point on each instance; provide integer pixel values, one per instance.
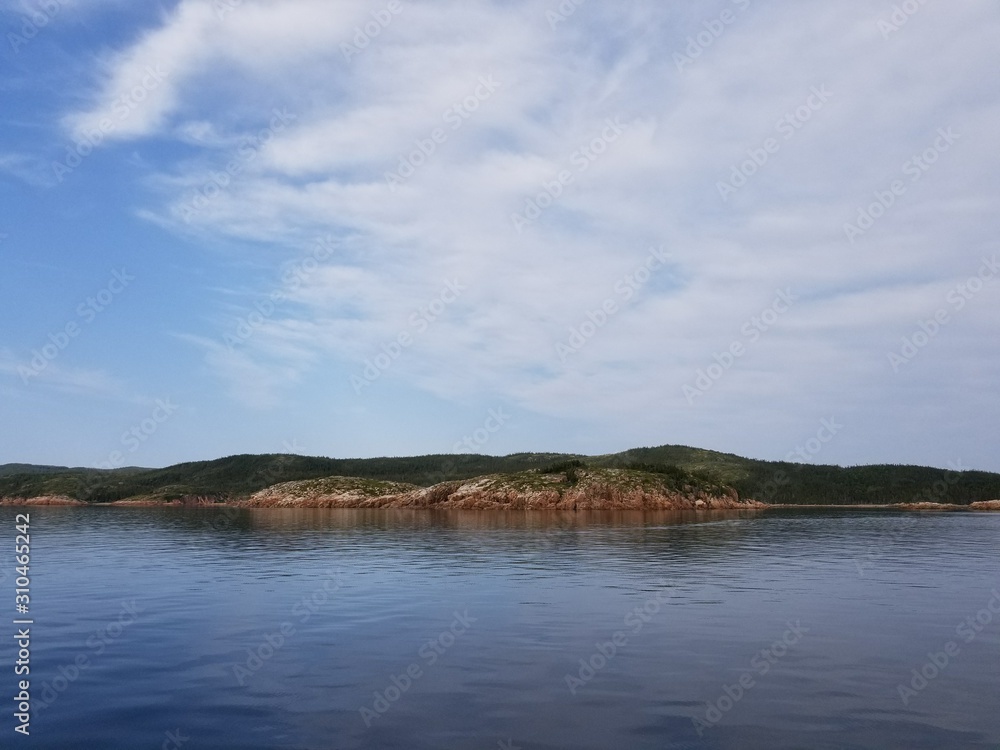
(776, 483)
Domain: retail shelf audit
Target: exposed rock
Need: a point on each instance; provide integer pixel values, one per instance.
(605, 489)
(331, 492)
(41, 500)
(986, 505)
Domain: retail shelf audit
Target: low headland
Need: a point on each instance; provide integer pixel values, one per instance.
(661, 478)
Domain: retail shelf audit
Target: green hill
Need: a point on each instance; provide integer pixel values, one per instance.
(7, 469)
(770, 482)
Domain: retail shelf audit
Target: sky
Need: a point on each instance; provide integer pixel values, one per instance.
(355, 229)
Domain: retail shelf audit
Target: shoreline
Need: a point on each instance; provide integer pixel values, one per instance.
(365, 504)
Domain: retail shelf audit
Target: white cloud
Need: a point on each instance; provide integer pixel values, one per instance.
(655, 184)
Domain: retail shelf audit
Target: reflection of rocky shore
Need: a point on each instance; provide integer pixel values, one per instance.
(143, 501)
(987, 505)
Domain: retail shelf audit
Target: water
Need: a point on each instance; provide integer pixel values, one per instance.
(274, 628)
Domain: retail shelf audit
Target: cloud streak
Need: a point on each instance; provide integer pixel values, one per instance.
(684, 128)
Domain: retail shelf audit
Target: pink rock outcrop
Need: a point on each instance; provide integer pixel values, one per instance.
(41, 500)
(499, 493)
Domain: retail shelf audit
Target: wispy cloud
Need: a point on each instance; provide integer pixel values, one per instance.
(256, 376)
(28, 168)
(77, 381)
(408, 97)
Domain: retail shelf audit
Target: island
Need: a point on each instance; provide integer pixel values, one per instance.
(658, 478)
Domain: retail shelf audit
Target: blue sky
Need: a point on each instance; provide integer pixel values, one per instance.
(360, 229)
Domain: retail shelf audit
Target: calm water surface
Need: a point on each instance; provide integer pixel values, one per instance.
(394, 629)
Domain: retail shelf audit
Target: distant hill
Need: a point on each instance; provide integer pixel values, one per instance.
(7, 469)
(770, 482)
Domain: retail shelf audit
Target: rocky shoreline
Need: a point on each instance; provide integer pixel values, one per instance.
(490, 493)
(478, 500)
(594, 490)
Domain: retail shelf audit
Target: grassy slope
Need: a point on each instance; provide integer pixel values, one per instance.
(762, 480)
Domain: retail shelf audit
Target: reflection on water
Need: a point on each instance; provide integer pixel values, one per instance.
(319, 628)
